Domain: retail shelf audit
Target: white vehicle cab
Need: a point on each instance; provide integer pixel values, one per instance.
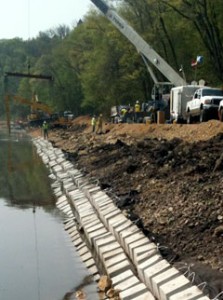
(220, 111)
(204, 104)
(68, 114)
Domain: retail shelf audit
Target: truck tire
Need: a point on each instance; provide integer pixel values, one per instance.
(189, 118)
(203, 116)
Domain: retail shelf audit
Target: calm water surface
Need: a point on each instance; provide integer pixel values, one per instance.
(37, 258)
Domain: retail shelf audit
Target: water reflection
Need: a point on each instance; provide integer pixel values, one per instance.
(37, 258)
(35, 264)
(22, 173)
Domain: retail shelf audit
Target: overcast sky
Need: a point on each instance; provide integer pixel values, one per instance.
(26, 18)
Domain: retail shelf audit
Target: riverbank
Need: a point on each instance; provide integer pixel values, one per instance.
(168, 178)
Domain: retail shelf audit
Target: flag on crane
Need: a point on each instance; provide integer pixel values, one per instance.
(193, 63)
(200, 59)
(197, 61)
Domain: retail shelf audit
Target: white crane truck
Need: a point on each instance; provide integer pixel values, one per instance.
(182, 92)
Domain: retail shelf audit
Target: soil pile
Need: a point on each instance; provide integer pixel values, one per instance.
(167, 178)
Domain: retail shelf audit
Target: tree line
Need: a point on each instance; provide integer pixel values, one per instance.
(95, 67)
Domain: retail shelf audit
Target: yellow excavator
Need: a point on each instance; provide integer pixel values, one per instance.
(39, 112)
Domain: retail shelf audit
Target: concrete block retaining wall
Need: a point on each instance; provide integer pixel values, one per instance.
(131, 260)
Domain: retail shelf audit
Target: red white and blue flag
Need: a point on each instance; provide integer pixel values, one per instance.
(197, 61)
(193, 63)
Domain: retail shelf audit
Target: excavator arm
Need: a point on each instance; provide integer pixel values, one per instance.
(146, 51)
(34, 105)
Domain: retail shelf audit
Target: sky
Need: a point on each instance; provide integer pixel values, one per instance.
(26, 18)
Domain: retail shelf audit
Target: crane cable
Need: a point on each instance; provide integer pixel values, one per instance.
(28, 40)
(36, 250)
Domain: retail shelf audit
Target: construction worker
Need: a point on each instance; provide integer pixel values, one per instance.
(45, 128)
(99, 123)
(137, 111)
(123, 113)
(93, 123)
(152, 110)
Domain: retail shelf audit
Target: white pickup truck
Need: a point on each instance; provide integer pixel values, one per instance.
(220, 111)
(204, 104)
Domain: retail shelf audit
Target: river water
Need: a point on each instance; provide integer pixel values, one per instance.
(37, 258)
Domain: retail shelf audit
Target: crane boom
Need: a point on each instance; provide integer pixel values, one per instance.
(141, 45)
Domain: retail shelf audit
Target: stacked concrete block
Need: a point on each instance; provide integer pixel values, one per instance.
(68, 185)
(110, 213)
(70, 224)
(78, 242)
(56, 169)
(61, 202)
(131, 260)
(52, 163)
(89, 190)
(60, 160)
(63, 181)
(150, 267)
(66, 165)
(125, 280)
(106, 247)
(138, 291)
(138, 247)
(192, 293)
(120, 226)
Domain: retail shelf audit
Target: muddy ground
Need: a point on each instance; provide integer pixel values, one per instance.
(167, 178)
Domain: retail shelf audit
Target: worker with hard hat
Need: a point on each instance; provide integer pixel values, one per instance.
(45, 128)
(137, 106)
(123, 111)
(137, 110)
(123, 114)
(93, 123)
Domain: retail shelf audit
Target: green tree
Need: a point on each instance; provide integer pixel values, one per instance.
(205, 15)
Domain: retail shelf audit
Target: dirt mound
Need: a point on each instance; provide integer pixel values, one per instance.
(167, 178)
(82, 120)
(191, 133)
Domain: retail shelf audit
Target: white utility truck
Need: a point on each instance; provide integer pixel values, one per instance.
(179, 97)
(204, 104)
